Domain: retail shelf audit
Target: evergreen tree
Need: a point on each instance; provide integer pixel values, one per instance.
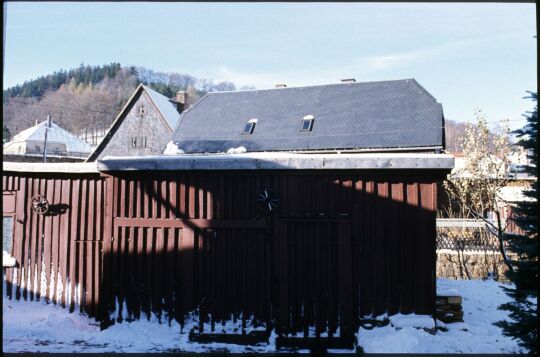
(523, 308)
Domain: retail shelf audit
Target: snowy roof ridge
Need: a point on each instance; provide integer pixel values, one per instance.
(55, 133)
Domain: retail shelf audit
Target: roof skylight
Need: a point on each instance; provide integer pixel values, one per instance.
(307, 123)
(249, 126)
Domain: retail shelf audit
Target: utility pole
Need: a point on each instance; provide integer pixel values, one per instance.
(47, 125)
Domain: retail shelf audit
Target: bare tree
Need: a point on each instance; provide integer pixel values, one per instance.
(475, 185)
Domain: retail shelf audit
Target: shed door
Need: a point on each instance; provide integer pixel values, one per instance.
(314, 272)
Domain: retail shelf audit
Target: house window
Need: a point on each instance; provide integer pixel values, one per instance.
(307, 123)
(138, 142)
(141, 111)
(249, 126)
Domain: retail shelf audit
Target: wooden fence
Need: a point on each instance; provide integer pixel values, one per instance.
(341, 245)
(58, 254)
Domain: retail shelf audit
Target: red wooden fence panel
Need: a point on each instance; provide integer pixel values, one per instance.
(342, 245)
(46, 246)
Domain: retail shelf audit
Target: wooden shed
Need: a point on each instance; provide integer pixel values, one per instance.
(347, 236)
(305, 242)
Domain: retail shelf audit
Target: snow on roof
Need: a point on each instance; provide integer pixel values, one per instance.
(277, 161)
(54, 167)
(55, 134)
(165, 105)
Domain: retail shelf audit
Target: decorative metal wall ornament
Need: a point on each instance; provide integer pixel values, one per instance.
(267, 201)
(40, 204)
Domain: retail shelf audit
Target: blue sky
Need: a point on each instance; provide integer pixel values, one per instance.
(467, 55)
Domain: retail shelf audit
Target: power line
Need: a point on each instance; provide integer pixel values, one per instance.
(60, 107)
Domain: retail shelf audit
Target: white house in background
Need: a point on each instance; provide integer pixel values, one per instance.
(60, 142)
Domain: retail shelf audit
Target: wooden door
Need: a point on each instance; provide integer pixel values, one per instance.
(313, 267)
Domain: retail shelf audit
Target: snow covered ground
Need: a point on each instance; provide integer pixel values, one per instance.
(41, 327)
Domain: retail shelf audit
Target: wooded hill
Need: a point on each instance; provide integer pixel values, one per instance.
(90, 97)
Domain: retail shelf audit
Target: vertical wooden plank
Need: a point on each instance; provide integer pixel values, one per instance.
(210, 197)
(62, 241)
(35, 249)
(164, 198)
(139, 234)
(139, 203)
(178, 303)
(168, 273)
(380, 256)
(201, 195)
(191, 198)
(427, 235)
(118, 247)
(131, 288)
(21, 221)
(98, 246)
(43, 242)
(74, 213)
(97, 270)
(155, 198)
(367, 295)
(332, 282)
(187, 247)
(158, 274)
(182, 203)
(409, 248)
(108, 229)
(174, 202)
(324, 242)
(88, 246)
(394, 247)
(63, 244)
(131, 199)
(357, 243)
(147, 204)
(56, 237)
(283, 280)
(345, 280)
(82, 246)
(221, 196)
(147, 305)
(28, 224)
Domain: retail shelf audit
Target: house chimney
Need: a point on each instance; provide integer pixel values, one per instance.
(181, 100)
(281, 85)
(348, 80)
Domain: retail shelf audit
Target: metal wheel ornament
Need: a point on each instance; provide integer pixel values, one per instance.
(267, 201)
(40, 204)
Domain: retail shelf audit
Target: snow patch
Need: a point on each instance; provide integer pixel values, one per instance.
(8, 260)
(414, 321)
(238, 150)
(31, 326)
(172, 149)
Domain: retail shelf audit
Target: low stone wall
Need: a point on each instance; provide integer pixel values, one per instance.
(454, 264)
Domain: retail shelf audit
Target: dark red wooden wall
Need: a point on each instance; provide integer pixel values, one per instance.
(342, 244)
(62, 247)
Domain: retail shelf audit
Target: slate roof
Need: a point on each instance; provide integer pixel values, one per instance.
(370, 115)
(166, 106)
(55, 134)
